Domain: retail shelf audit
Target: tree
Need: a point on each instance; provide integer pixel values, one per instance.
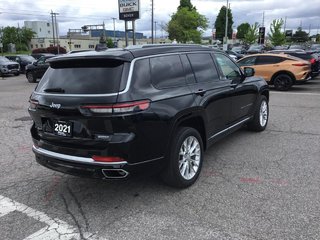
(220, 23)
(276, 37)
(242, 29)
(300, 36)
(18, 36)
(252, 35)
(110, 43)
(187, 25)
(187, 4)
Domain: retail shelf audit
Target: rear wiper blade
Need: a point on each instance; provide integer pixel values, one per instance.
(60, 90)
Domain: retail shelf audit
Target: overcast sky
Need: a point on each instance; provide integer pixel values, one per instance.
(76, 13)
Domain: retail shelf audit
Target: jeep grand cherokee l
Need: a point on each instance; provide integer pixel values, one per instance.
(114, 113)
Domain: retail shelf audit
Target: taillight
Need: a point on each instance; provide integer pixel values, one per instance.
(107, 159)
(33, 104)
(313, 60)
(300, 64)
(119, 107)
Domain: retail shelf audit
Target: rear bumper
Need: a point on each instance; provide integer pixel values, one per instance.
(87, 167)
(307, 78)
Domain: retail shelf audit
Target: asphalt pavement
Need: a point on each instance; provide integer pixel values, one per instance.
(258, 186)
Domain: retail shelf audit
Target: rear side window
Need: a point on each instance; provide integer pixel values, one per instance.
(167, 71)
(203, 67)
(90, 76)
(263, 60)
(248, 61)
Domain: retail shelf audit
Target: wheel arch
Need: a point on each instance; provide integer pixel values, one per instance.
(194, 121)
(283, 72)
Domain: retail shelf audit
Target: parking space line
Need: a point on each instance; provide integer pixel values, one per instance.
(295, 93)
(56, 229)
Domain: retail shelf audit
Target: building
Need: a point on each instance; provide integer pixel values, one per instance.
(78, 40)
(42, 29)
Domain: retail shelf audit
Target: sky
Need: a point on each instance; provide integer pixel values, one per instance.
(75, 13)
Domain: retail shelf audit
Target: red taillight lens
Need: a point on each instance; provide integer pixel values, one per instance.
(300, 64)
(107, 159)
(33, 104)
(119, 107)
(313, 60)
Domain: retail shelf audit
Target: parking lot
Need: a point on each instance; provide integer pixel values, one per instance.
(252, 185)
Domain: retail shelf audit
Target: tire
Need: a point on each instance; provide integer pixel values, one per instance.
(184, 167)
(261, 116)
(283, 82)
(31, 78)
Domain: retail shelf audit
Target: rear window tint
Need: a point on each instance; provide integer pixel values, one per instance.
(203, 67)
(88, 76)
(167, 71)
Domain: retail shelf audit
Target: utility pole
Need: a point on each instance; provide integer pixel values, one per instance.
(57, 30)
(285, 24)
(19, 36)
(226, 29)
(155, 31)
(114, 29)
(53, 30)
(152, 21)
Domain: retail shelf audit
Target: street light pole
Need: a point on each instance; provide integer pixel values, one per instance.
(152, 21)
(114, 29)
(226, 30)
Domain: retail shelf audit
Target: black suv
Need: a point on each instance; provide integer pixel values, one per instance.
(113, 113)
(37, 69)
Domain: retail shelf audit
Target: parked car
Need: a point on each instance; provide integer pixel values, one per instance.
(38, 55)
(37, 69)
(23, 60)
(296, 46)
(235, 56)
(8, 67)
(282, 71)
(253, 49)
(310, 57)
(239, 49)
(146, 108)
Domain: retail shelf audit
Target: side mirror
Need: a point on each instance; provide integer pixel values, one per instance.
(249, 72)
(35, 63)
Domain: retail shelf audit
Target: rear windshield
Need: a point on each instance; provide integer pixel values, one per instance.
(88, 76)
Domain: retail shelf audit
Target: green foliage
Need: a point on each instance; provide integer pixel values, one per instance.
(242, 29)
(18, 36)
(220, 23)
(187, 25)
(300, 36)
(276, 37)
(252, 35)
(187, 4)
(110, 43)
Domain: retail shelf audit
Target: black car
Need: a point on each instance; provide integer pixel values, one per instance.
(8, 67)
(23, 60)
(114, 113)
(36, 70)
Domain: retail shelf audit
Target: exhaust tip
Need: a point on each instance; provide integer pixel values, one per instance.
(114, 173)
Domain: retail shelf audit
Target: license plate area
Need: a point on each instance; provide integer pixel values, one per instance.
(62, 128)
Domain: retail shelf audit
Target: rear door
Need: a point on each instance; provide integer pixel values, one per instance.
(266, 66)
(211, 94)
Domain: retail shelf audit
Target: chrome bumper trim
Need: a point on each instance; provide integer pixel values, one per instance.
(71, 158)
